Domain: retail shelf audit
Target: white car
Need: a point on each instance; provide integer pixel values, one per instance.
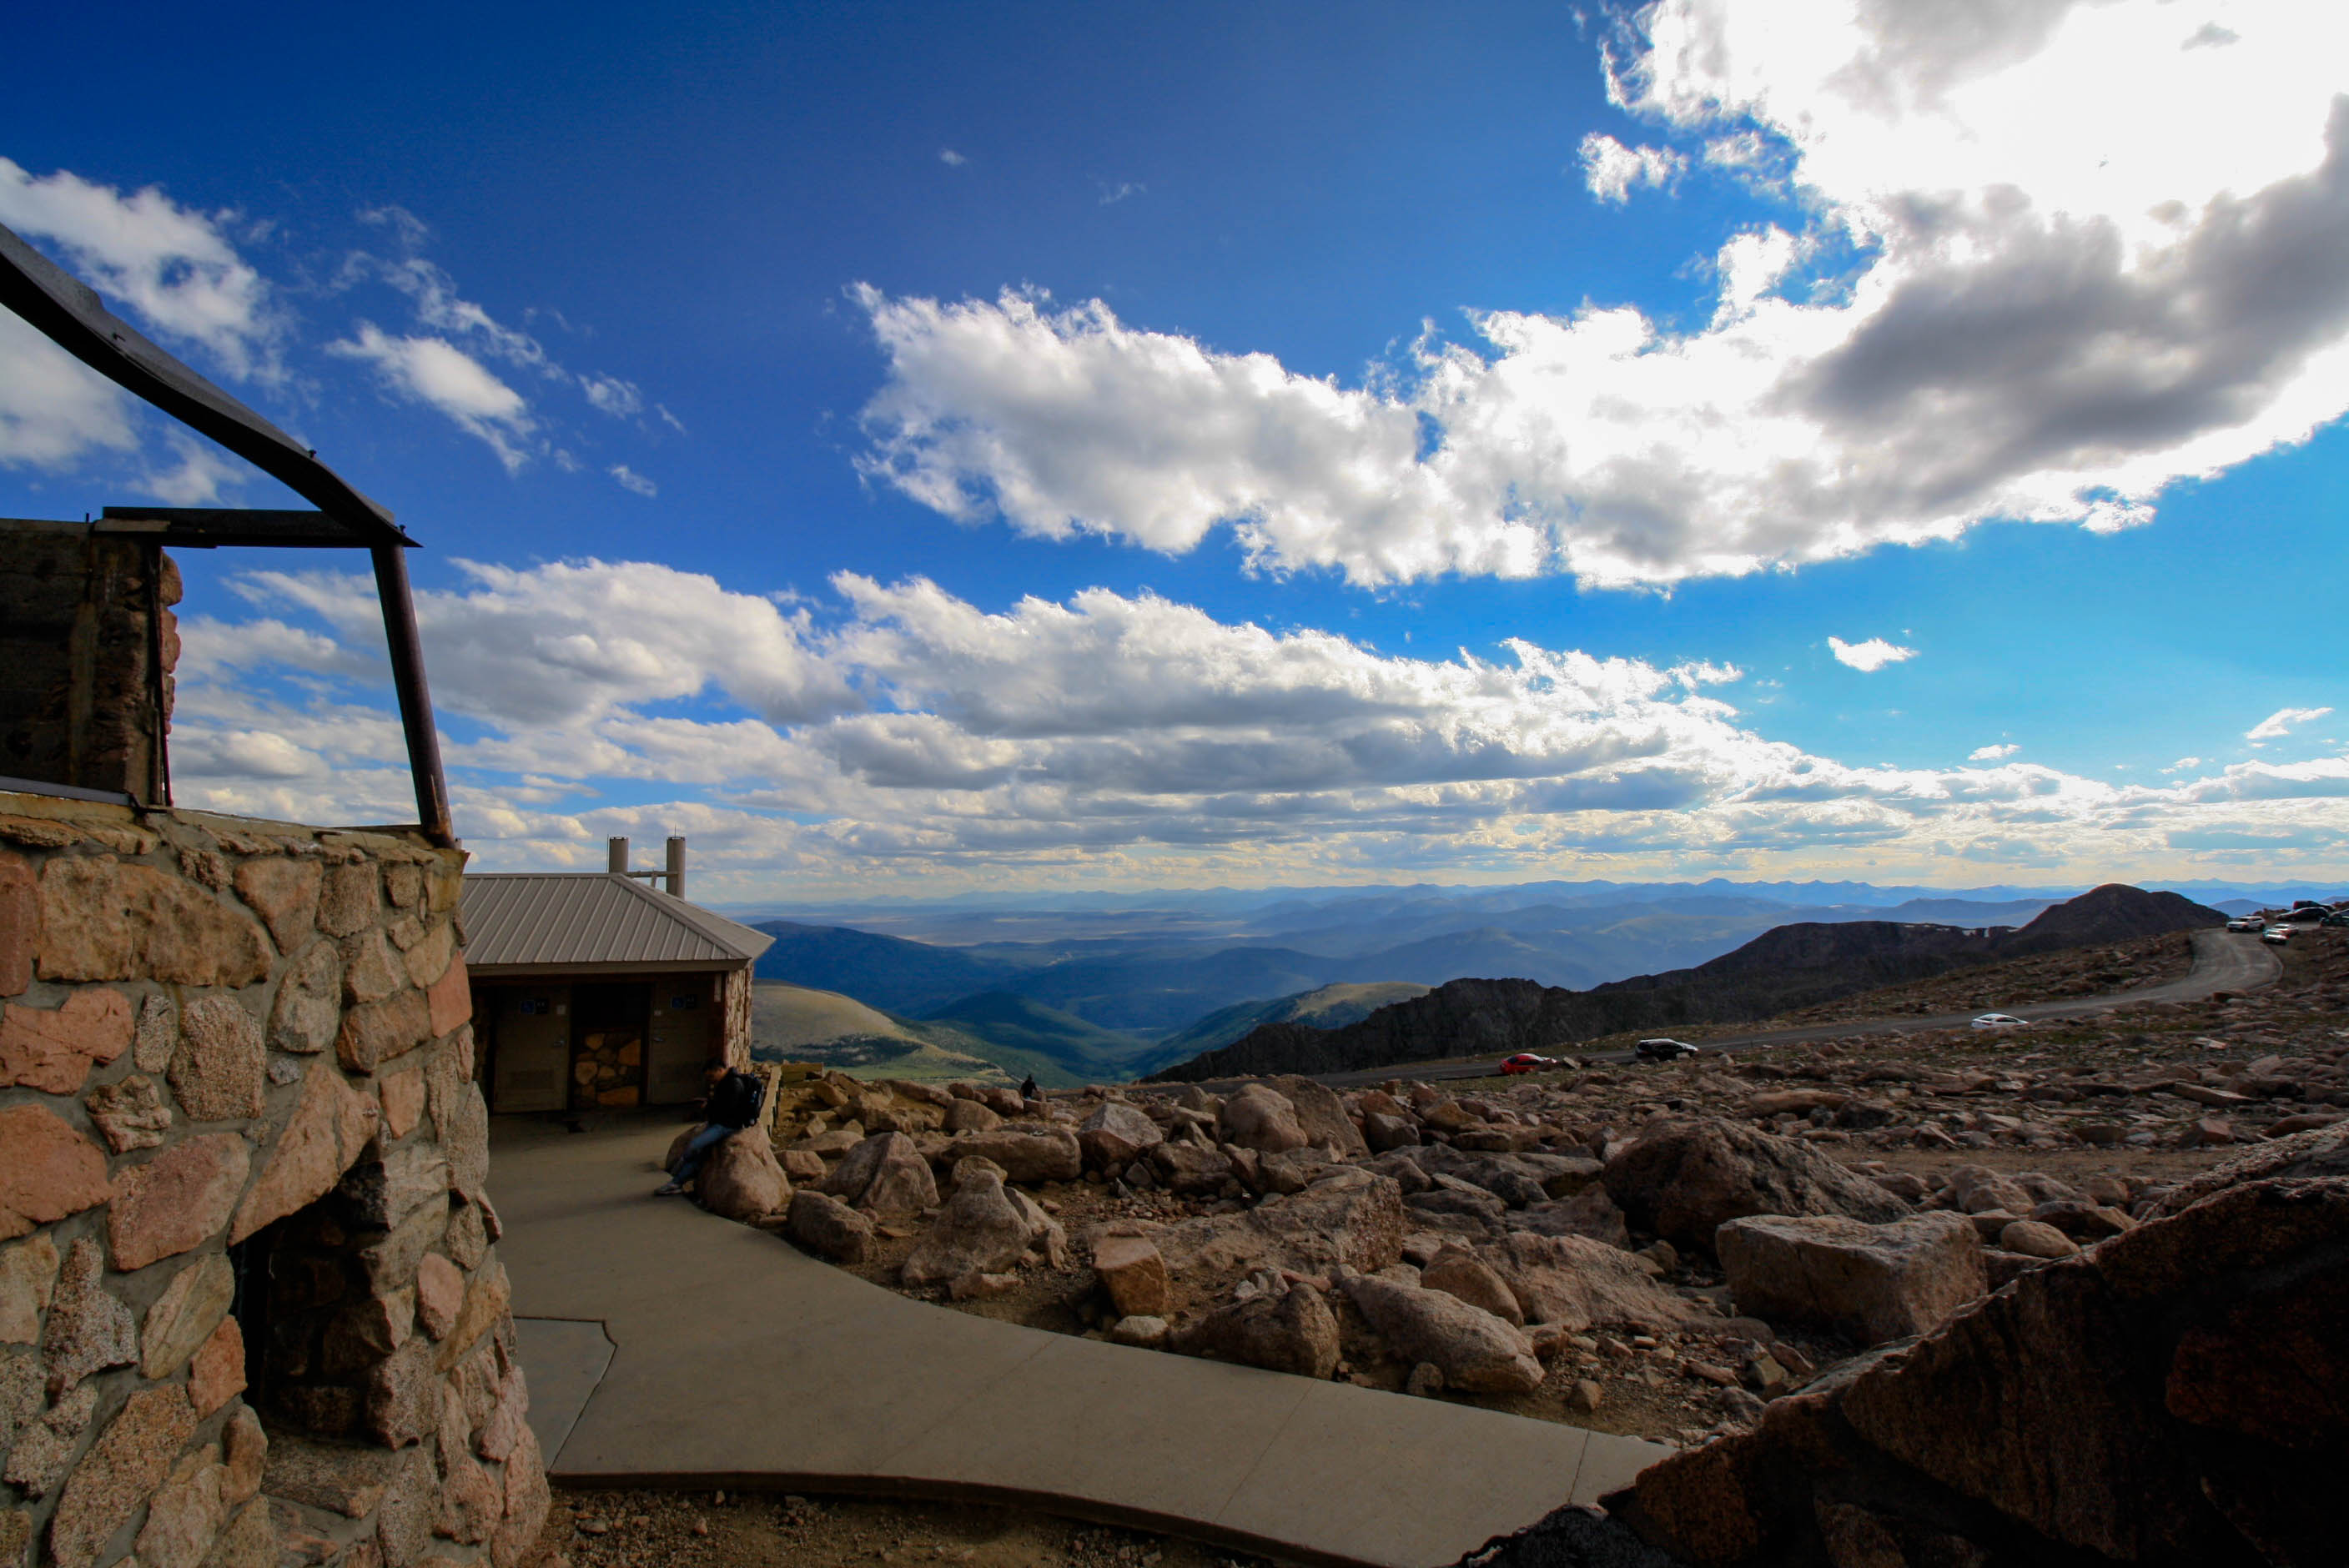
(2245, 923)
(2279, 935)
(2001, 1021)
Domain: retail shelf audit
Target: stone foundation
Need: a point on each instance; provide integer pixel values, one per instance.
(251, 1310)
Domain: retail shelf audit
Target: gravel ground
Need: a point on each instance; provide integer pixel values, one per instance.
(595, 1529)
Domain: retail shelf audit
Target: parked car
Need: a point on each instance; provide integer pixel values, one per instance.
(2339, 918)
(2279, 935)
(2245, 923)
(1663, 1050)
(1525, 1062)
(2001, 1021)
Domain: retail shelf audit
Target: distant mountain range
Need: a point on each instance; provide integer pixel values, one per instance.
(1791, 967)
(1110, 988)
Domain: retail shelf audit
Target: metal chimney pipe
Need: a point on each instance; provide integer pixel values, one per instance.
(676, 867)
(618, 864)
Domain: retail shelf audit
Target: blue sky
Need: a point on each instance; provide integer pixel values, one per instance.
(913, 448)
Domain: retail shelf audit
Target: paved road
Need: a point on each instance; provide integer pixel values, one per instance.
(734, 1360)
(2223, 961)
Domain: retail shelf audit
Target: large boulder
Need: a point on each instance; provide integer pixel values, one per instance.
(1354, 1218)
(984, 1228)
(1321, 1114)
(1475, 1351)
(1873, 1283)
(2179, 1395)
(2320, 1151)
(1133, 1273)
(1185, 1168)
(1259, 1118)
(743, 1180)
(1456, 1270)
(1114, 1134)
(1681, 1179)
(885, 1176)
(1589, 1213)
(828, 1227)
(1041, 1155)
(1290, 1331)
(1579, 1283)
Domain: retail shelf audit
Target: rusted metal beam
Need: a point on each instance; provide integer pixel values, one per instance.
(407, 649)
(216, 527)
(68, 312)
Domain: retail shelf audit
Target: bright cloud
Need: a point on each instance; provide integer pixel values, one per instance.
(2045, 321)
(1874, 654)
(900, 730)
(1611, 169)
(2280, 723)
(438, 373)
(1992, 753)
(174, 267)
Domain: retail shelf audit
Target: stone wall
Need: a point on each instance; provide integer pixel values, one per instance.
(251, 1309)
(87, 645)
(733, 1000)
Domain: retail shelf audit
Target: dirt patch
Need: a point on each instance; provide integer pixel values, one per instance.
(593, 1529)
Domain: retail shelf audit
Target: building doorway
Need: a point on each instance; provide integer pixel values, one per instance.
(607, 1058)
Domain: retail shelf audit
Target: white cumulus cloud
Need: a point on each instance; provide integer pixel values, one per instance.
(441, 376)
(1991, 753)
(2280, 722)
(1874, 654)
(1983, 302)
(893, 730)
(634, 482)
(1610, 169)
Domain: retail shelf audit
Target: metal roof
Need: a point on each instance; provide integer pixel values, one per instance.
(545, 921)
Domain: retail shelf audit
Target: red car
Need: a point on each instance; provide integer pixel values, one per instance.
(1525, 1062)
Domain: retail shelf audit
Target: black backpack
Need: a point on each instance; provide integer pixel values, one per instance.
(736, 1101)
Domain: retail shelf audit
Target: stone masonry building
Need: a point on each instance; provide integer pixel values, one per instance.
(251, 1308)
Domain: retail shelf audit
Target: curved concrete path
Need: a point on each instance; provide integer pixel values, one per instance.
(2223, 961)
(736, 1360)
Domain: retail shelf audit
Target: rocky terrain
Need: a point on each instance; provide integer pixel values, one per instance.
(1658, 1250)
(1786, 970)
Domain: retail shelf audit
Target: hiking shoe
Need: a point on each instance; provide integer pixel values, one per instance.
(671, 1190)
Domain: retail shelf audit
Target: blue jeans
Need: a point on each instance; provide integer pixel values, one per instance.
(708, 1139)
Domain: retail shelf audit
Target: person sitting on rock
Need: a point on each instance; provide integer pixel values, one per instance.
(1028, 1091)
(731, 1105)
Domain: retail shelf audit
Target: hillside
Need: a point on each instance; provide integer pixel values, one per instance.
(886, 972)
(1330, 1007)
(793, 1022)
(1785, 970)
(1009, 1023)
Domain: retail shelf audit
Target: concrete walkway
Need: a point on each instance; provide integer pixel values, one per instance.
(736, 1360)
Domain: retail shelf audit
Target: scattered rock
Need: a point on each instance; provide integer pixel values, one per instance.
(984, 1228)
(1260, 1118)
(2034, 1240)
(1288, 1331)
(1876, 1282)
(1026, 1156)
(828, 1227)
(1133, 1272)
(1116, 1133)
(1458, 1272)
(1681, 1180)
(885, 1177)
(1476, 1351)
